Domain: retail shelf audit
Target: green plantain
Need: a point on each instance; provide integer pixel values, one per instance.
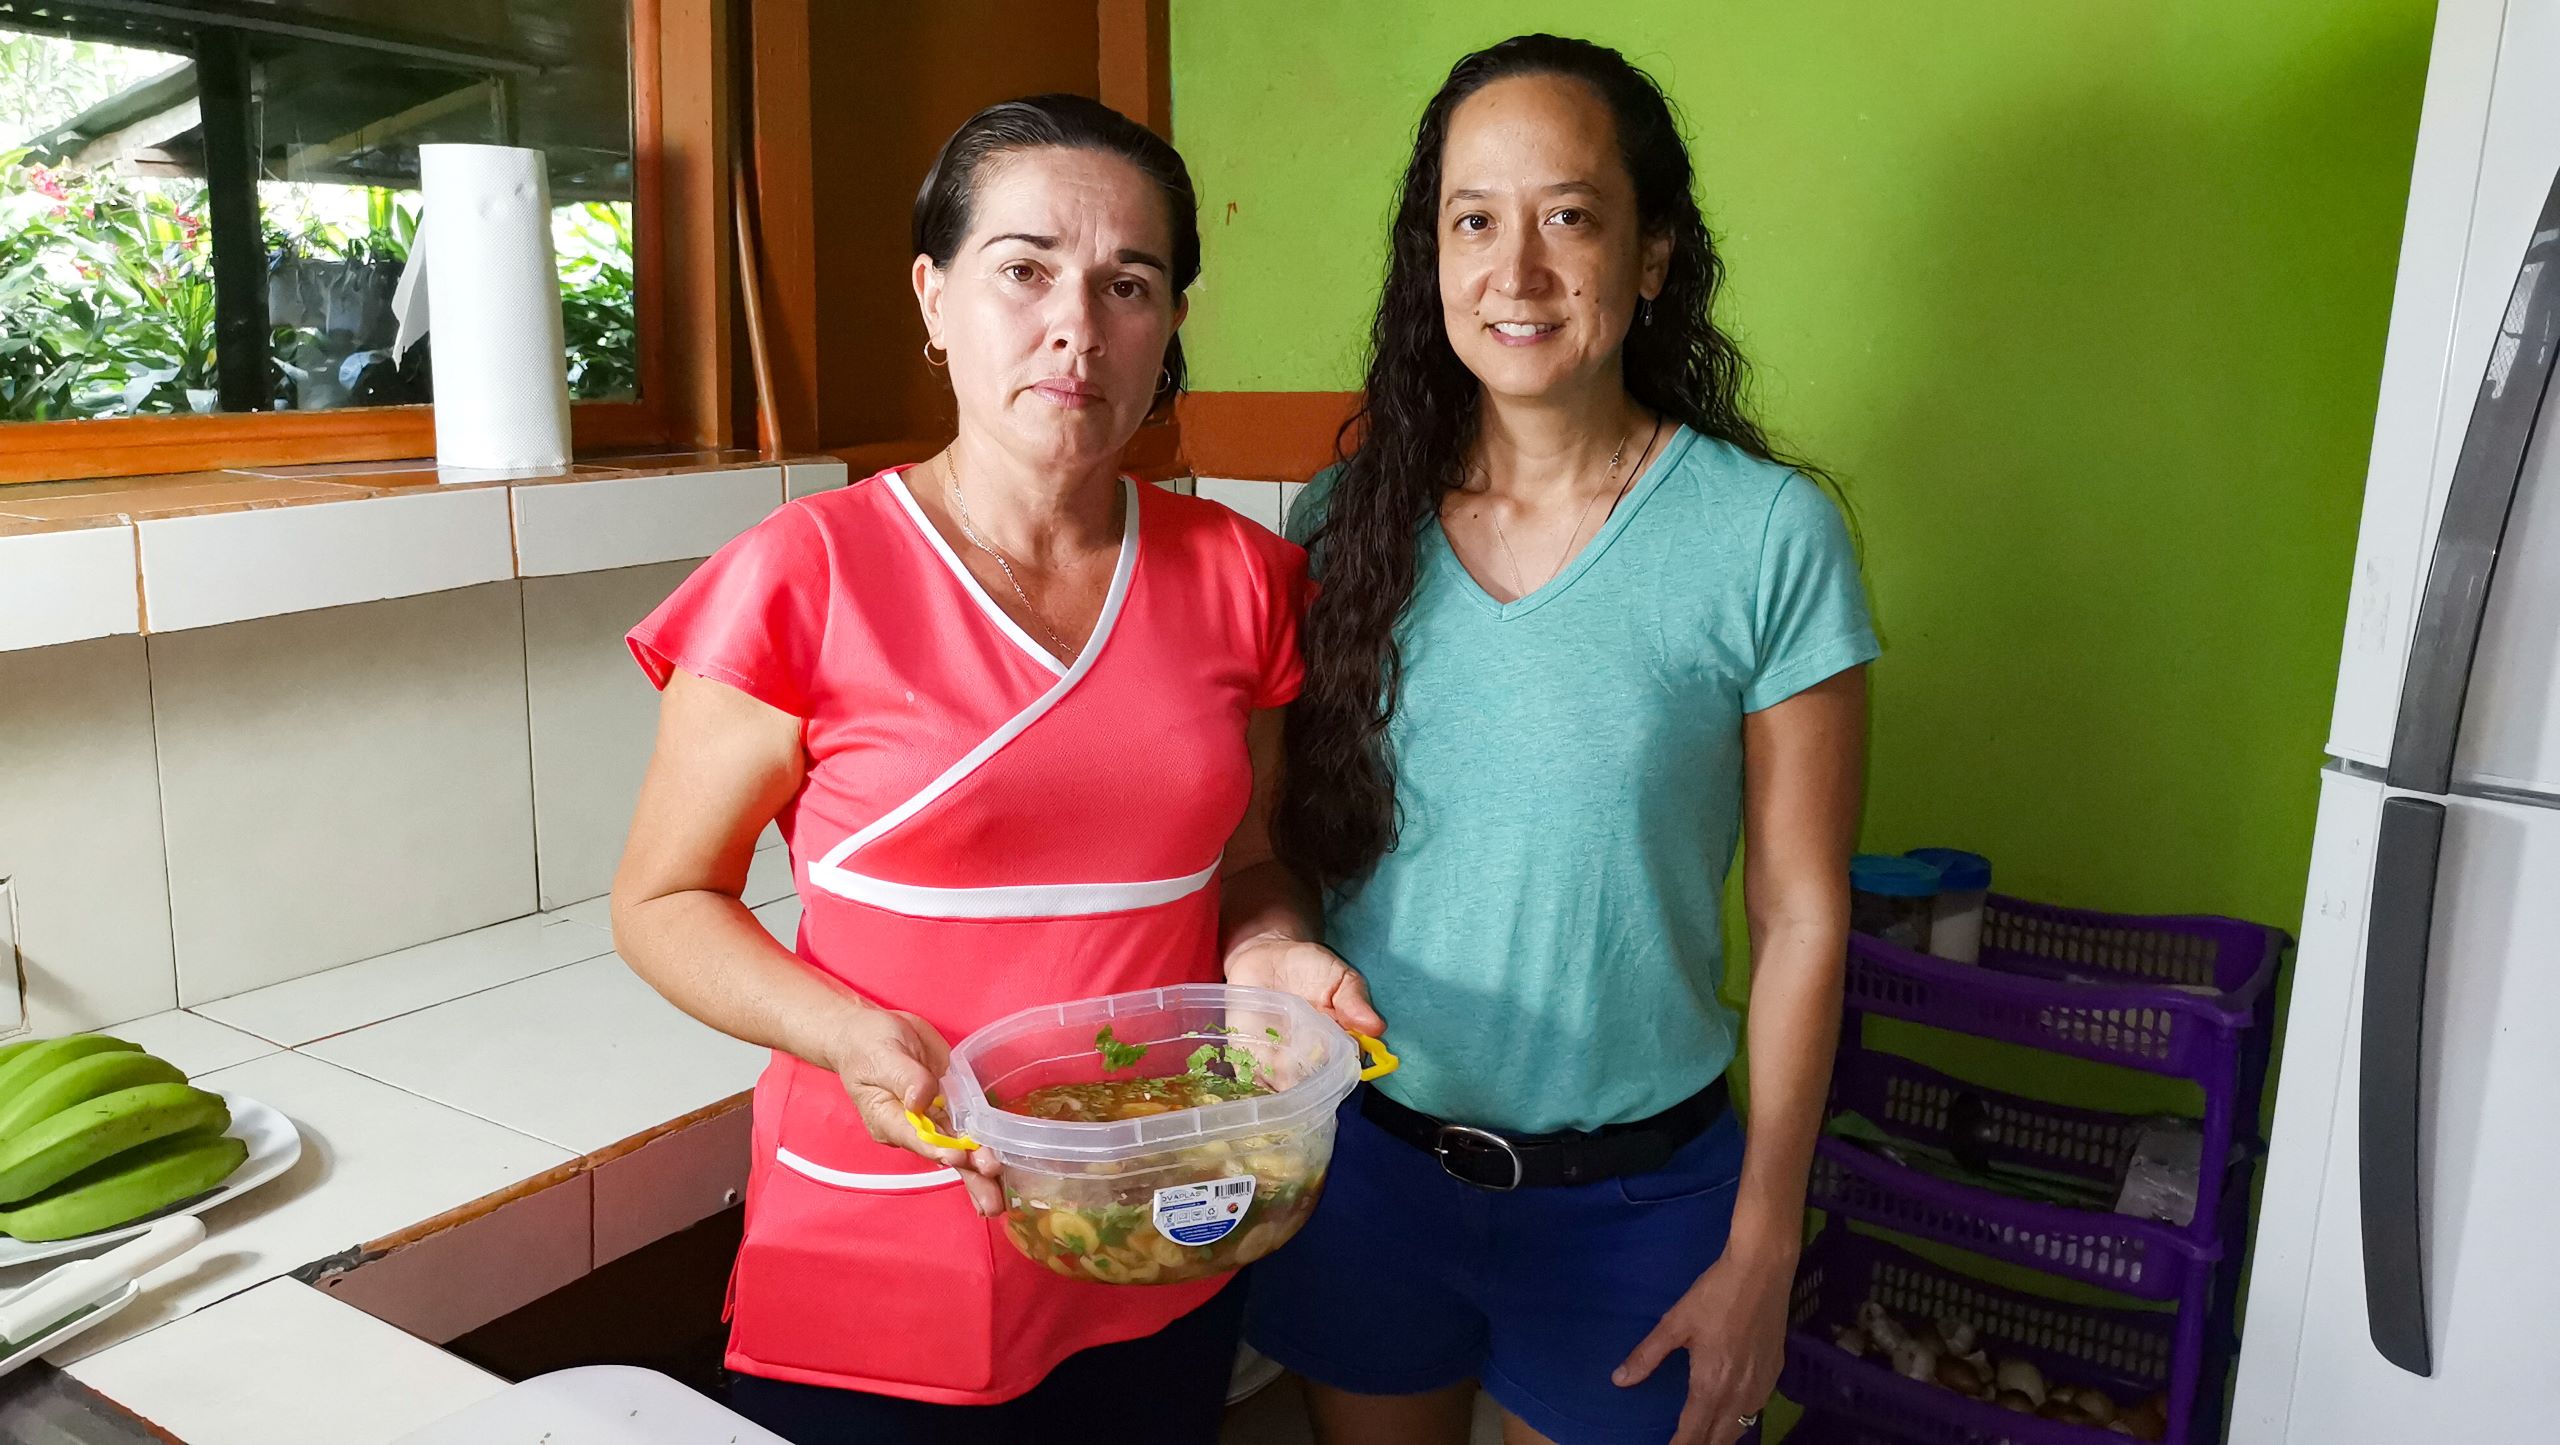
(43, 1056)
(96, 1130)
(79, 1081)
(140, 1181)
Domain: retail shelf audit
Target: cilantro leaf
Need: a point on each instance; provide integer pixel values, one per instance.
(1115, 1054)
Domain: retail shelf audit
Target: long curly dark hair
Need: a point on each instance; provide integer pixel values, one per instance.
(1408, 443)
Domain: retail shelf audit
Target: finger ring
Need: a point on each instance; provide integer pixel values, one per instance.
(1747, 1421)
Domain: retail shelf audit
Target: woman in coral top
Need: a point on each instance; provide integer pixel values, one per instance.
(1015, 715)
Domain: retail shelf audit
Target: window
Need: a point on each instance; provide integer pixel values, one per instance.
(204, 207)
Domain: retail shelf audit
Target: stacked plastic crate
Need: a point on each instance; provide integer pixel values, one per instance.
(2185, 998)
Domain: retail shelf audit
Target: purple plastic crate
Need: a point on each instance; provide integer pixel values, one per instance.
(1912, 1101)
(2142, 1257)
(2110, 1251)
(2167, 995)
(2130, 1353)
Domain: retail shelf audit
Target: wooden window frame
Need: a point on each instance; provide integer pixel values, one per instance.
(682, 148)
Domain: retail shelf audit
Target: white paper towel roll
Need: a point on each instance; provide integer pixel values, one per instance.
(490, 293)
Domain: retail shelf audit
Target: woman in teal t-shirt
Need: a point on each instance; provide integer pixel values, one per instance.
(1578, 629)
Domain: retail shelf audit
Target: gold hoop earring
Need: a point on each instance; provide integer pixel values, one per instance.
(932, 360)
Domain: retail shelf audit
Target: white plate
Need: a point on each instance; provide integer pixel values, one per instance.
(273, 1146)
(65, 1329)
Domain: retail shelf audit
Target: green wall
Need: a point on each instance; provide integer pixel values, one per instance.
(2084, 302)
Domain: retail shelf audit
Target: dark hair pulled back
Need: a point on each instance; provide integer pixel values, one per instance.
(945, 203)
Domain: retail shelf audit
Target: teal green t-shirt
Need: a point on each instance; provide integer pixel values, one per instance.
(1546, 938)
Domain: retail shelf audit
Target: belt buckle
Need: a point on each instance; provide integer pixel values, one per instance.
(1487, 1136)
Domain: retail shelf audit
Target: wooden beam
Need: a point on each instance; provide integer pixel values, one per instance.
(1136, 66)
(694, 140)
(239, 243)
(786, 215)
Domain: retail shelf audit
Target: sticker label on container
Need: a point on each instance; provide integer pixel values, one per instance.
(1203, 1213)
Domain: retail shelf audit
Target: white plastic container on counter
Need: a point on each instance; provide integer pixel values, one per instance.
(1171, 1196)
(1955, 919)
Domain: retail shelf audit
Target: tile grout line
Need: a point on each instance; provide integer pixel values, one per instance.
(160, 798)
(532, 758)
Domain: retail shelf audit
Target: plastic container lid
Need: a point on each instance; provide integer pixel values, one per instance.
(1958, 870)
(1306, 1053)
(1889, 877)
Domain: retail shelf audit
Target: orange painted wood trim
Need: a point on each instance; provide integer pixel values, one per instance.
(1136, 66)
(1276, 436)
(133, 446)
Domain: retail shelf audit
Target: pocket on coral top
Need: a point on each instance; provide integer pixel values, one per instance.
(878, 1283)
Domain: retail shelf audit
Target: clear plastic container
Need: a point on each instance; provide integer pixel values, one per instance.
(1169, 1197)
(1892, 899)
(1955, 918)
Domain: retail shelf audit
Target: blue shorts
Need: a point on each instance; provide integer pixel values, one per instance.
(1406, 1280)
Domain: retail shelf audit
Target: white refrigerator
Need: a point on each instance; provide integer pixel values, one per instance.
(2406, 1284)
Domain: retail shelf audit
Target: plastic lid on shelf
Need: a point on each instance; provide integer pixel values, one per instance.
(1958, 870)
(1890, 877)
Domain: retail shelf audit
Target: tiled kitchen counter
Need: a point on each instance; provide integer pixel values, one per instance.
(485, 1118)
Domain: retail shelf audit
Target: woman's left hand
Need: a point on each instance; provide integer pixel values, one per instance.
(1733, 1323)
(1311, 971)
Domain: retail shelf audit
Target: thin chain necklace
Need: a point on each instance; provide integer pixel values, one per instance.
(1004, 564)
(1519, 579)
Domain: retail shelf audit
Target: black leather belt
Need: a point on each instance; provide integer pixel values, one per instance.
(1496, 1160)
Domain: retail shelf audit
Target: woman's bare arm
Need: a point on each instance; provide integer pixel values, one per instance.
(1803, 763)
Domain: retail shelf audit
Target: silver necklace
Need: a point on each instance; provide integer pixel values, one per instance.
(1004, 564)
(1519, 579)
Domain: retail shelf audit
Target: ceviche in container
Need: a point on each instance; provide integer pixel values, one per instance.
(1159, 1136)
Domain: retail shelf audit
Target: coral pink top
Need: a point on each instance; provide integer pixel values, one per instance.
(983, 828)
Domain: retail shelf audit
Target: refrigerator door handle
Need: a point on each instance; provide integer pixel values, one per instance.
(2486, 476)
(2388, 1095)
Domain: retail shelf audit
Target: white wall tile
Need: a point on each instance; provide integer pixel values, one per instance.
(67, 586)
(594, 718)
(13, 994)
(80, 839)
(284, 1364)
(584, 1056)
(1289, 498)
(768, 878)
(342, 783)
(799, 479)
(1258, 500)
(229, 566)
(612, 522)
